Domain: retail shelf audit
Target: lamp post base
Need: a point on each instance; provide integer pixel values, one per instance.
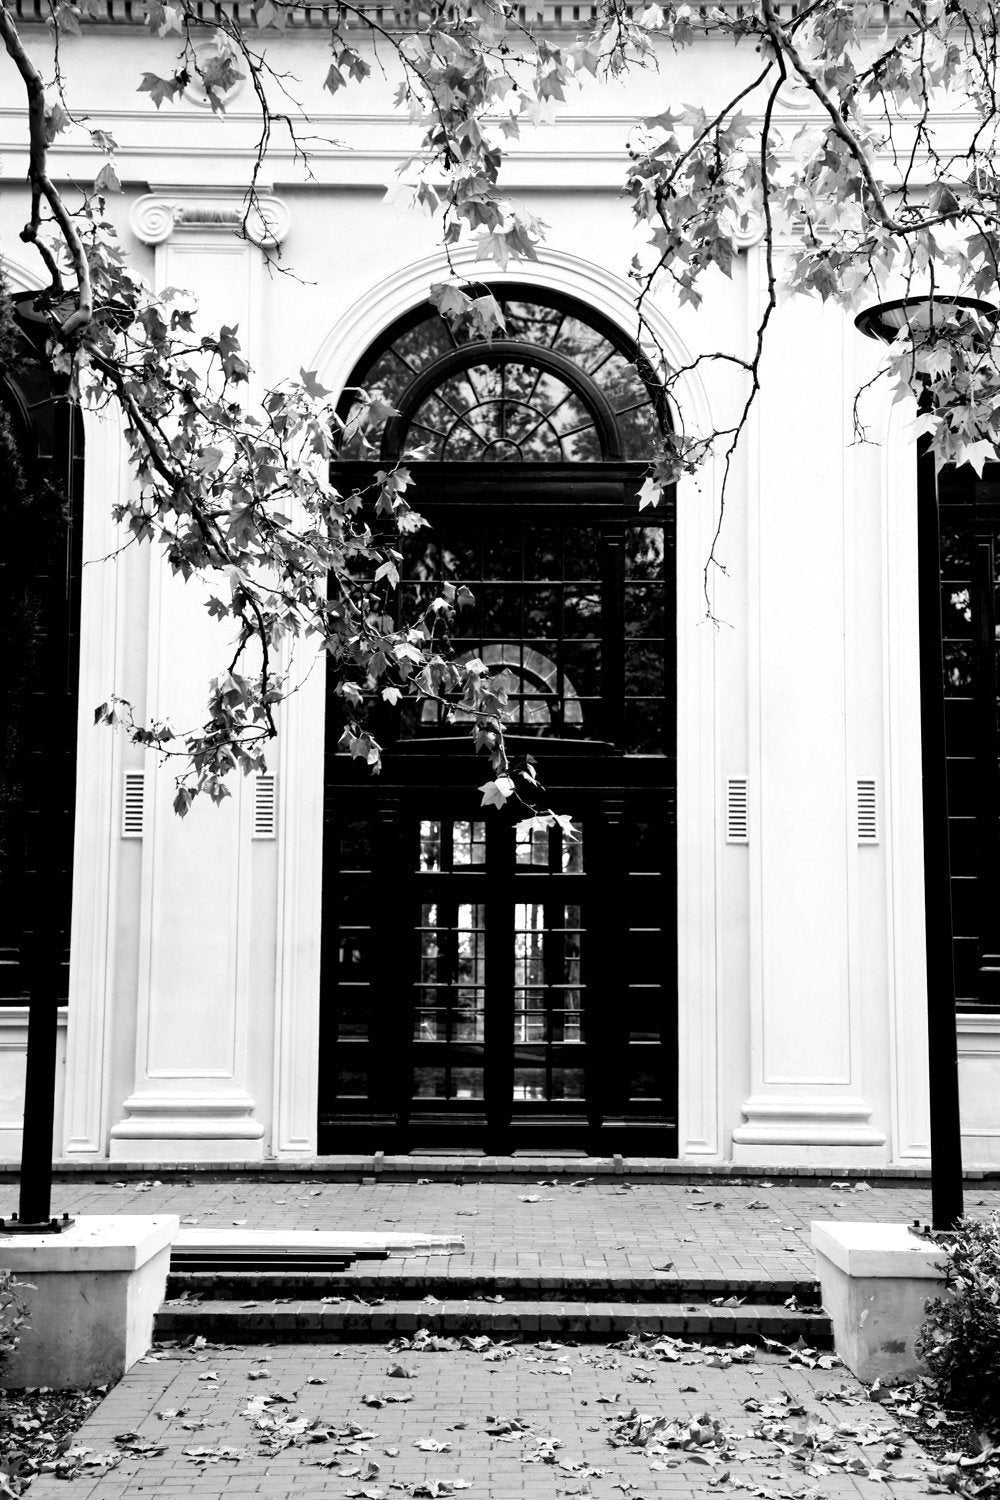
(14, 1225)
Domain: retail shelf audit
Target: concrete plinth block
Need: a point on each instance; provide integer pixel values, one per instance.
(95, 1290)
(875, 1280)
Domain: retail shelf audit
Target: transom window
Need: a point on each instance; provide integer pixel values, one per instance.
(553, 388)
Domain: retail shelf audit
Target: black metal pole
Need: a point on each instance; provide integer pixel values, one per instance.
(942, 1038)
(42, 963)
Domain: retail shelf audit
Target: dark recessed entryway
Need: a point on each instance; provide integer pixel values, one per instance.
(484, 986)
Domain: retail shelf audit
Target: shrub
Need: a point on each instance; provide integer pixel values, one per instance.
(960, 1338)
(13, 1314)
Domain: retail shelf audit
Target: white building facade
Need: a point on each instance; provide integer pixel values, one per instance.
(761, 998)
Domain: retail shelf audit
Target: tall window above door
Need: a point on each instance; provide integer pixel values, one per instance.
(526, 452)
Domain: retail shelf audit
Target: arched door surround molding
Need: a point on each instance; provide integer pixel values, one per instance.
(363, 322)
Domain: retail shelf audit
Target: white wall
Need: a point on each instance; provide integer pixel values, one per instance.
(195, 980)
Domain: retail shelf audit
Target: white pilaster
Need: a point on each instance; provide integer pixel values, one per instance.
(191, 1097)
(101, 755)
(904, 798)
(299, 922)
(808, 1098)
(83, 1044)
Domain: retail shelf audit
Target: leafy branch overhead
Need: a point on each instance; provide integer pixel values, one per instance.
(859, 145)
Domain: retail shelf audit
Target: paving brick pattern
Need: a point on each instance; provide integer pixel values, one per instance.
(451, 1388)
(756, 1230)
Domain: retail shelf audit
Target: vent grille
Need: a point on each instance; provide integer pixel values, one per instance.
(133, 804)
(867, 811)
(737, 810)
(265, 808)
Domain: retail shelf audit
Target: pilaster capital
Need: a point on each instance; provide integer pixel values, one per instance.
(156, 216)
(751, 233)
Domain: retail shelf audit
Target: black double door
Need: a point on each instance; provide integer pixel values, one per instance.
(487, 984)
(970, 607)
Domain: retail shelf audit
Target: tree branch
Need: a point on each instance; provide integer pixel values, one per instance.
(783, 45)
(43, 187)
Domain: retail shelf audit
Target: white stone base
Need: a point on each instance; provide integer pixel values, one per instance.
(164, 1148)
(875, 1280)
(188, 1127)
(780, 1131)
(94, 1291)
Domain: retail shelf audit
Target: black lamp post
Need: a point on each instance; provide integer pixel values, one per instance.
(884, 321)
(53, 421)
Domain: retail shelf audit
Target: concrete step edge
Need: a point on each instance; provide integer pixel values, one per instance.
(459, 1284)
(304, 1322)
(315, 1242)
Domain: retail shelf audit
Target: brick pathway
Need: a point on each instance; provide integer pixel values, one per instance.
(755, 1229)
(570, 1396)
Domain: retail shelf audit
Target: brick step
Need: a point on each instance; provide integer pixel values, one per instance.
(316, 1322)
(402, 1283)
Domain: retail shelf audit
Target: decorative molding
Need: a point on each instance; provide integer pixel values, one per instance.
(750, 234)
(185, 1127)
(196, 93)
(835, 1132)
(551, 15)
(770, 1119)
(156, 216)
(795, 96)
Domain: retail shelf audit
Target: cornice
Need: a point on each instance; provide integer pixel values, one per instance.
(547, 15)
(202, 211)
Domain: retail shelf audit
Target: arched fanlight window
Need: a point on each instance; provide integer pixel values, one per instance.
(561, 385)
(537, 695)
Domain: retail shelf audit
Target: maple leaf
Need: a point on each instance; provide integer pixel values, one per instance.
(107, 180)
(311, 385)
(496, 793)
(650, 493)
(163, 90)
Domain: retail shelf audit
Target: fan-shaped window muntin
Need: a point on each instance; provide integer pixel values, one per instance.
(539, 695)
(501, 403)
(598, 355)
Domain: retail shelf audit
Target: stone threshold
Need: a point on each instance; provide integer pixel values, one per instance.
(434, 1167)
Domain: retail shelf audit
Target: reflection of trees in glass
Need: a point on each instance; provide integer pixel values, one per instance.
(645, 549)
(511, 411)
(515, 412)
